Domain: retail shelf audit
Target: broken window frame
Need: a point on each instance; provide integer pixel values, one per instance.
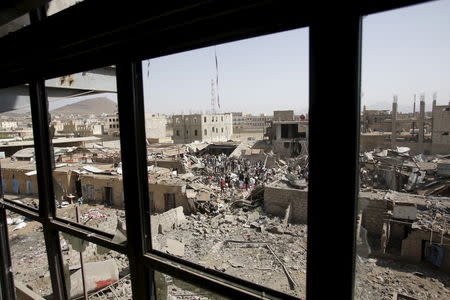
(186, 27)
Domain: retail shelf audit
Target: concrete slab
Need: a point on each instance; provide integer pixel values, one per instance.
(174, 247)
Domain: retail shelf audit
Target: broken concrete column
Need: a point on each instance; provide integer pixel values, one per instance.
(421, 122)
(98, 275)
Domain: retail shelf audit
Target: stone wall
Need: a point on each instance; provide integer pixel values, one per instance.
(169, 164)
(412, 247)
(373, 214)
(277, 200)
(157, 194)
(166, 221)
(11, 175)
(99, 183)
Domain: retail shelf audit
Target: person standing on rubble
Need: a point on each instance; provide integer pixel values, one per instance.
(252, 182)
(222, 184)
(246, 182)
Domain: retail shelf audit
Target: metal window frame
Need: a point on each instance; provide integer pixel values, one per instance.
(179, 26)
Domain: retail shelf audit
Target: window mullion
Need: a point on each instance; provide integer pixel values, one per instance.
(335, 54)
(44, 167)
(7, 290)
(135, 182)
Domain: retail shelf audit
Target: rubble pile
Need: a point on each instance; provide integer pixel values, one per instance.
(381, 278)
(436, 215)
(397, 170)
(240, 243)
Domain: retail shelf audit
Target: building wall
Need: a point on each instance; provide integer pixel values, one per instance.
(8, 177)
(98, 129)
(441, 124)
(169, 164)
(283, 115)
(277, 200)
(98, 193)
(155, 126)
(112, 126)
(158, 191)
(187, 128)
(8, 125)
(250, 123)
(204, 128)
(67, 180)
(166, 221)
(412, 247)
(369, 142)
(373, 214)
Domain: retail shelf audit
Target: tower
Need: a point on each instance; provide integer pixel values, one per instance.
(213, 98)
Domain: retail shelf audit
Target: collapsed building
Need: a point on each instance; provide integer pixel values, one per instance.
(205, 197)
(413, 228)
(288, 135)
(398, 170)
(422, 134)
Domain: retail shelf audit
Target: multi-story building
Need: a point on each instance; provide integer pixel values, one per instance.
(249, 123)
(441, 124)
(202, 127)
(112, 126)
(288, 134)
(8, 125)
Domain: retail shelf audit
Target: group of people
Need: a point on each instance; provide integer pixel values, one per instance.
(237, 173)
(242, 173)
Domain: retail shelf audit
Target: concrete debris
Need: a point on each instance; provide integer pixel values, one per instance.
(20, 226)
(98, 275)
(174, 247)
(399, 171)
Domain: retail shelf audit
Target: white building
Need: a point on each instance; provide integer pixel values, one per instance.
(202, 128)
(155, 127)
(8, 125)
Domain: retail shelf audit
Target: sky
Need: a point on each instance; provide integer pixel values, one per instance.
(404, 52)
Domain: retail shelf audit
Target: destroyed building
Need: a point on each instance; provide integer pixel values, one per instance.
(286, 201)
(441, 124)
(202, 128)
(411, 227)
(422, 134)
(288, 135)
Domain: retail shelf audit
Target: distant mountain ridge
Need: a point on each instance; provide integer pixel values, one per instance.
(89, 106)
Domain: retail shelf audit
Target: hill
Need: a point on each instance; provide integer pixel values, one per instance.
(89, 106)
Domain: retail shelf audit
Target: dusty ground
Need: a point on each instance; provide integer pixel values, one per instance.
(205, 239)
(380, 278)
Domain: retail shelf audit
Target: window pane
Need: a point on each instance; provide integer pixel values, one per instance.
(86, 147)
(29, 256)
(17, 158)
(230, 192)
(403, 202)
